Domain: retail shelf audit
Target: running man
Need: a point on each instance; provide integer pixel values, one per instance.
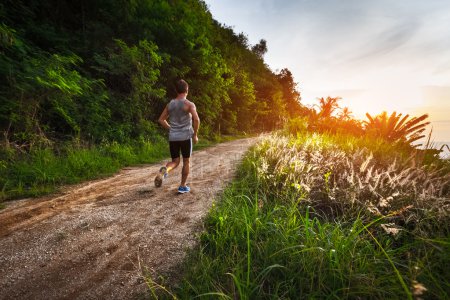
(180, 112)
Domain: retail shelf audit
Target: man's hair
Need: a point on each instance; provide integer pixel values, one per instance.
(181, 86)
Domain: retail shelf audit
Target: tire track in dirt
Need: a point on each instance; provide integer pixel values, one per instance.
(95, 240)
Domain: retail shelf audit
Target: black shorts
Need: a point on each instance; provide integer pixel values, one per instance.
(184, 146)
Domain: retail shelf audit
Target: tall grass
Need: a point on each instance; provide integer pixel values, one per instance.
(294, 225)
(340, 179)
(43, 170)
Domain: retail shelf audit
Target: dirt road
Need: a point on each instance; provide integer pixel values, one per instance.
(95, 240)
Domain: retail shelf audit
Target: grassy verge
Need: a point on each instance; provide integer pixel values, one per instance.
(43, 170)
(297, 224)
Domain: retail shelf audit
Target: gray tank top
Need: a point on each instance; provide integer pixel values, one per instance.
(180, 121)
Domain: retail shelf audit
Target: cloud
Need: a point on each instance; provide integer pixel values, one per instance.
(381, 44)
(442, 68)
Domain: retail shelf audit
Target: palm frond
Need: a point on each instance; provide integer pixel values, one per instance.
(417, 127)
(415, 138)
(368, 117)
(415, 121)
(396, 127)
(399, 124)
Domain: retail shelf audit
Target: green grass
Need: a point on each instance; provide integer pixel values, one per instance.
(270, 237)
(43, 170)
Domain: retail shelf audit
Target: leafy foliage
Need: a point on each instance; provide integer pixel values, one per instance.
(41, 95)
(396, 128)
(326, 117)
(329, 117)
(290, 93)
(260, 49)
(328, 106)
(134, 73)
(104, 70)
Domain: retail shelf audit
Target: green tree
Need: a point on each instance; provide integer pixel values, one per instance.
(105, 69)
(291, 95)
(260, 49)
(134, 71)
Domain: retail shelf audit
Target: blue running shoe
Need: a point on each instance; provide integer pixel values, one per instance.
(184, 189)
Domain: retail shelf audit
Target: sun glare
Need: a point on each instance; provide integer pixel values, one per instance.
(374, 100)
(401, 99)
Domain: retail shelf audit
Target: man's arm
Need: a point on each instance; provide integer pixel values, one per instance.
(196, 119)
(163, 118)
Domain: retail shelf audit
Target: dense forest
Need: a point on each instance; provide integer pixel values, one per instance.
(103, 70)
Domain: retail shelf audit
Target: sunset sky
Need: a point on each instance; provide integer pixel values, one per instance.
(375, 54)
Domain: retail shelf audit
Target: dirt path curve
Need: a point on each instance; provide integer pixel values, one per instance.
(93, 241)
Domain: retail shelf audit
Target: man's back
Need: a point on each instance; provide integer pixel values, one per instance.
(180, 120)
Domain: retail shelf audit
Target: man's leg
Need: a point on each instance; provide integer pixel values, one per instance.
(173, 164)
(164, 171)
(175, 148)
(185, 171)
(186, 151)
